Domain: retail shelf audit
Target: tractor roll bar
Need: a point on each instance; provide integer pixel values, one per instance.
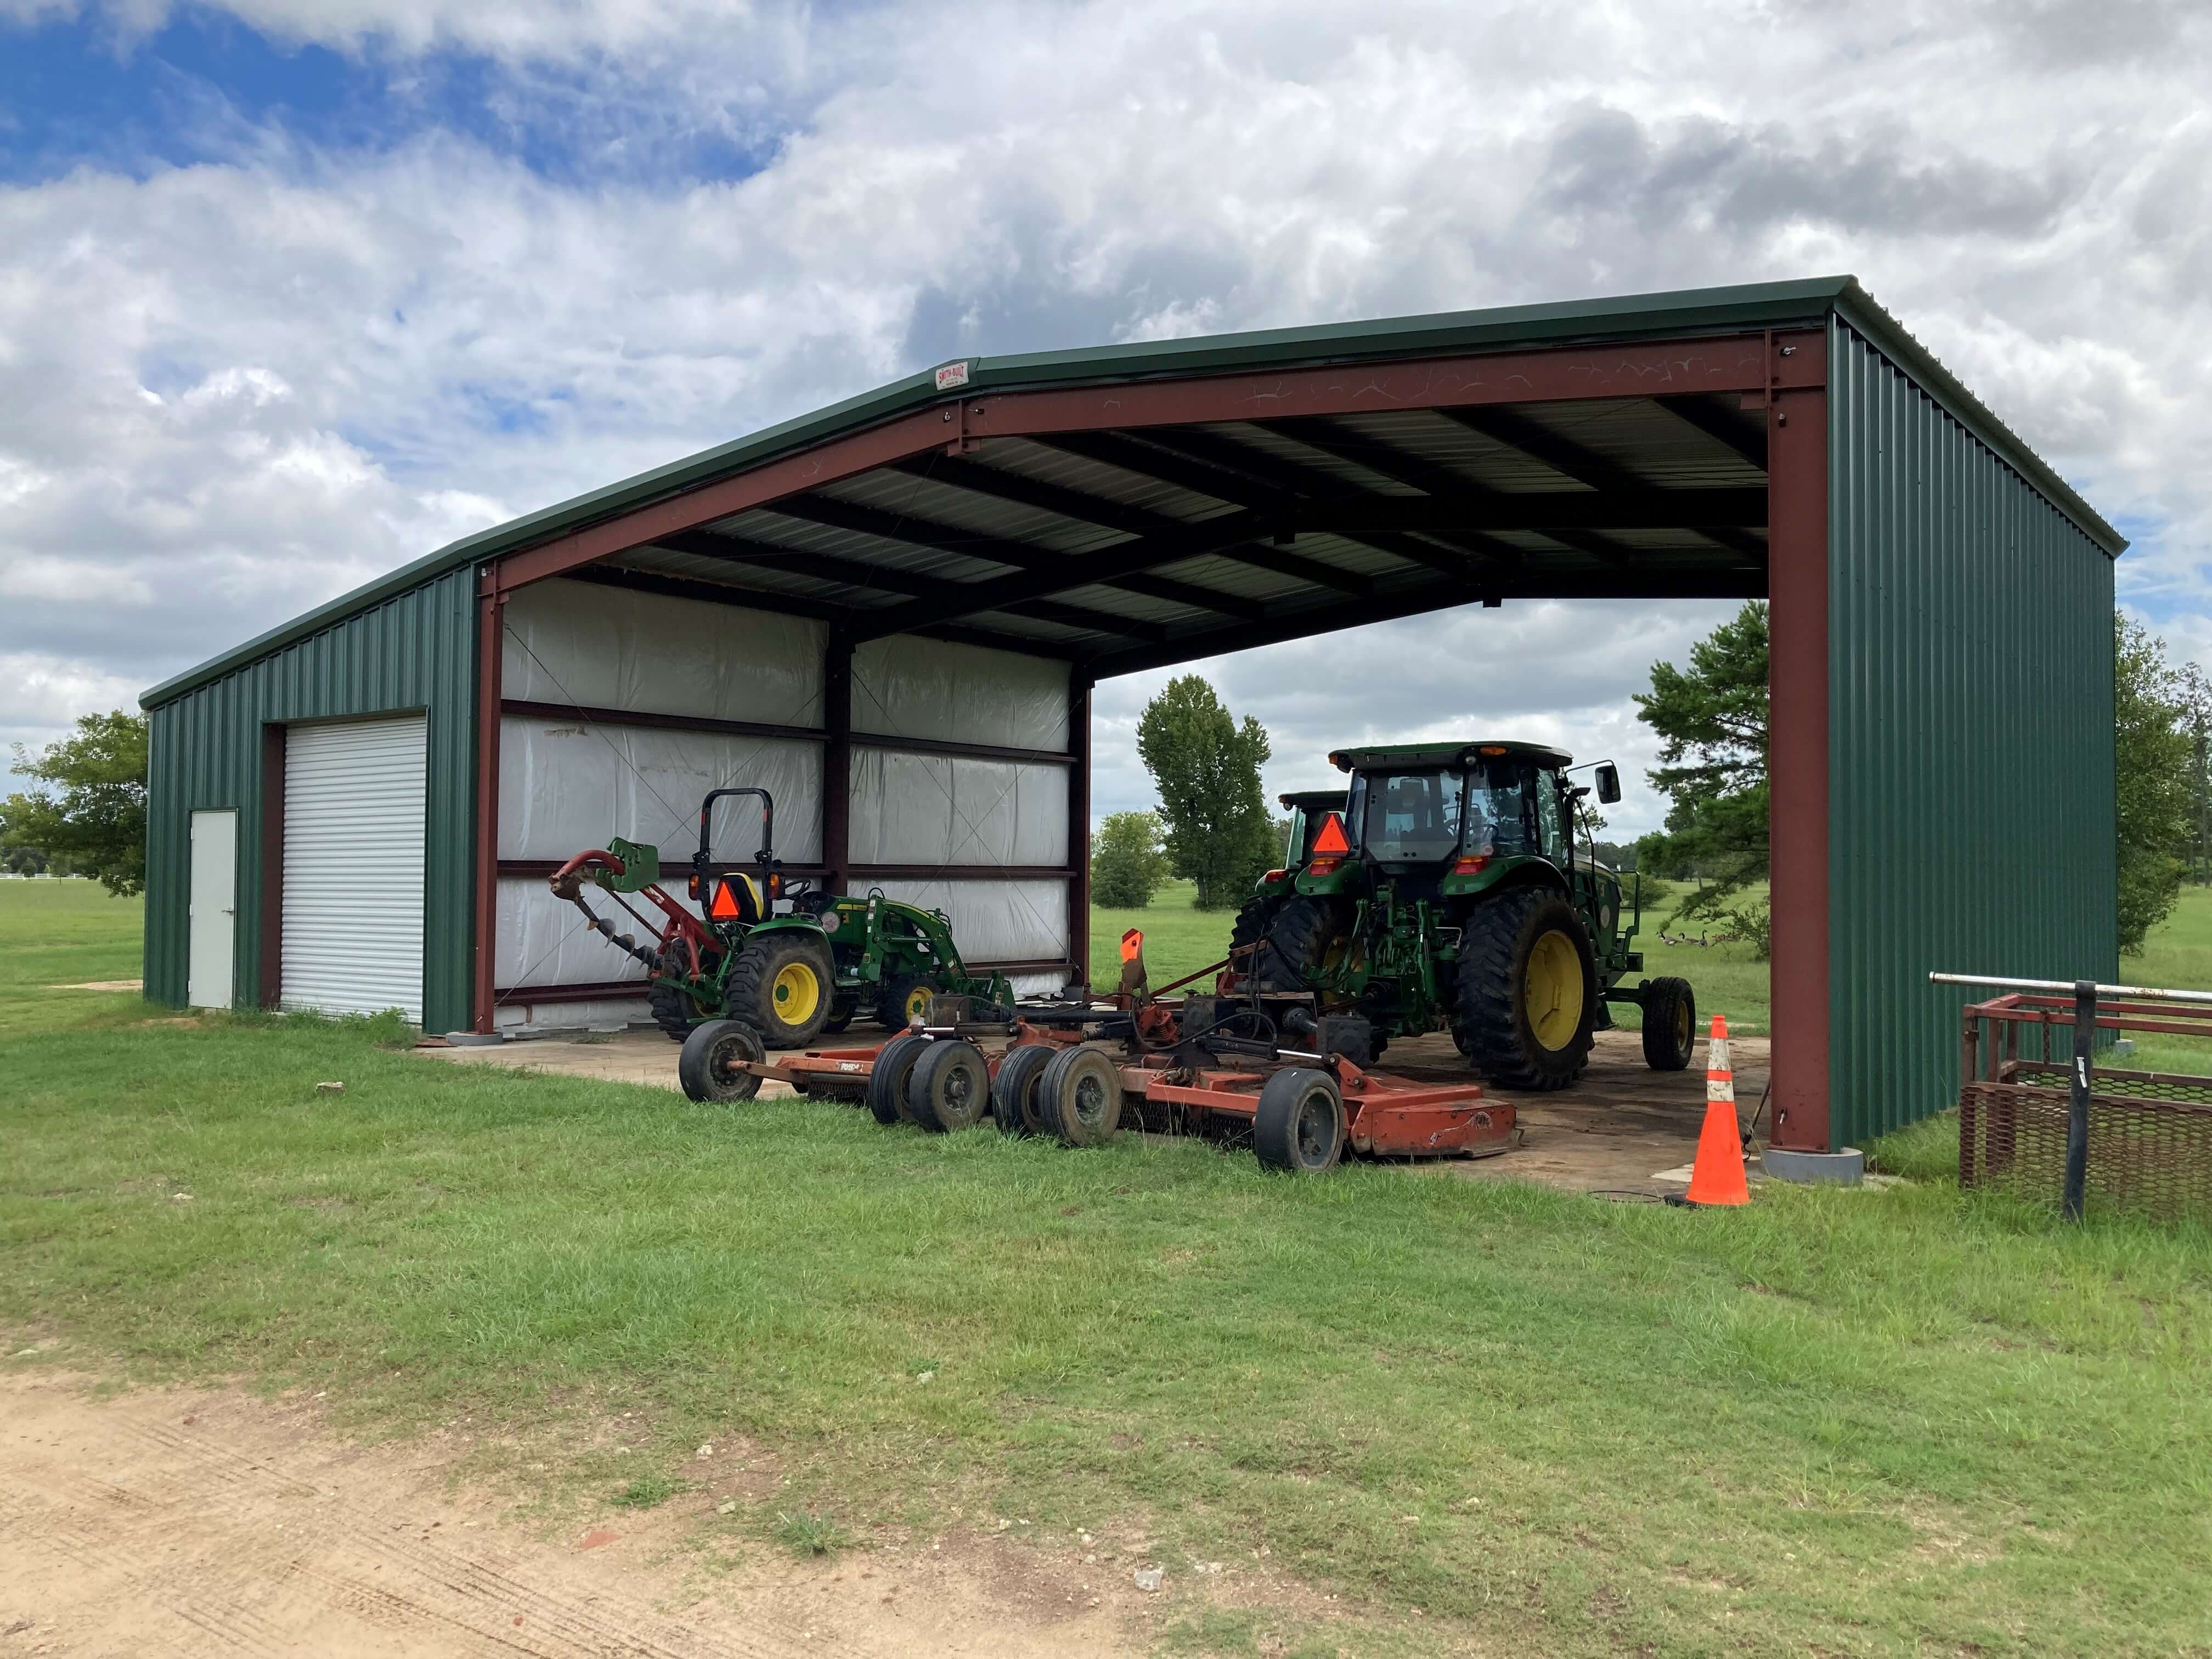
(766, 856)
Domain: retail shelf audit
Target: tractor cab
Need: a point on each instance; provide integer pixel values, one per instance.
(1308, 810)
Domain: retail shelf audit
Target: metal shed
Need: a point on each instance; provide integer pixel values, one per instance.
(897, 607)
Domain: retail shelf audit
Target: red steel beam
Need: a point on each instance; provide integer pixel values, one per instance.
(1734, 363)
(1078, 827)
(490, 651)
(1797, 599)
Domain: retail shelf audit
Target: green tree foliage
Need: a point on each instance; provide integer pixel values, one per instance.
(2196, 697)
(1127, 862)
(1711, 721)
(1207, 767)
(2155, 754)
(91, 817)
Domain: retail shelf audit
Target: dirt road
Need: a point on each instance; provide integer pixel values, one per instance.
(174, 1522)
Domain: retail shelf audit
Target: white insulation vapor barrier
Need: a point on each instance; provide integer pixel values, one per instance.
(916, 687)
(605, 647)
(995, 920)
(943, 809)
(565, 785)
(543, 940)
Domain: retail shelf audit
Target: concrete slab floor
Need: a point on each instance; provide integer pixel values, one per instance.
(1625, 1128)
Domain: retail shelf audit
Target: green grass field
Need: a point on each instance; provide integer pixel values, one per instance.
(1480, 1415)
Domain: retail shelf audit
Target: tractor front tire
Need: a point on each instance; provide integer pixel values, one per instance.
(1670, 1024)
(673, 1009)
(781, 986)
(1299, 940)
(708, 1066)
(1298, 1124)
(1527, 988)
(904, 1000)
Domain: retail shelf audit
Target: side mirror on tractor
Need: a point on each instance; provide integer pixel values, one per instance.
(1609, 782)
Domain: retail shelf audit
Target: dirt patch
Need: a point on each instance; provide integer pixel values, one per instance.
(189, 1522)
(104, 985)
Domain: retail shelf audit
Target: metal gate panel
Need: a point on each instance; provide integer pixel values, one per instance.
(355, 807)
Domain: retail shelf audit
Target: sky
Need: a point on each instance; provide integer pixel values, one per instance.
(295, 291)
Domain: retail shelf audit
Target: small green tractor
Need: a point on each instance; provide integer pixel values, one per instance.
(813, 967)
(1444, 891)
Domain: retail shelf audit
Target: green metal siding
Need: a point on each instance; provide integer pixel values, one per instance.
(416, 650)
(1971, 753)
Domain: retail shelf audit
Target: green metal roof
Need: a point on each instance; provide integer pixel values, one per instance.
(1692, 312)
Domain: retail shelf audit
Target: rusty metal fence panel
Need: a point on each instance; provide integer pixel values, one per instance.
(2150, 1132)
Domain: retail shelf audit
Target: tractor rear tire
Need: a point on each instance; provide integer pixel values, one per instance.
(1298, 939)
(1079, 1096)
(1014, 1091)
(887, 1078)
(904, 1000)
(1250, 930)
(1670, 1024)
(1299, 1124)
(714, 1048)
(950, 1087)
(1527, 985)
(673, 1009)
(781, 985)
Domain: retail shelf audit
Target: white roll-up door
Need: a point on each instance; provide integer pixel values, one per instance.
(353, 846)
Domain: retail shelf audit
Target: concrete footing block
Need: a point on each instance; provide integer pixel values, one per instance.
(475, 1039)
(1843, 1169)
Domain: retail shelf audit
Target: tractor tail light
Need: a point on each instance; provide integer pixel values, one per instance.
(698, 890)
(1472, 865)
(775, 883)
(1323, 867)
(1275, 875)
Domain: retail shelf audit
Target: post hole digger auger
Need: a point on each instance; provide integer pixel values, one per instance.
(787, 976)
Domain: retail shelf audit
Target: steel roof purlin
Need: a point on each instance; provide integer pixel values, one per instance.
(1279, 473)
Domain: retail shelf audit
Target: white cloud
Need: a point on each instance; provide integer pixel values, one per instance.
(231, 390)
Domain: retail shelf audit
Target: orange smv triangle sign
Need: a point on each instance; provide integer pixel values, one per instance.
(725, 906)
(1331, 839)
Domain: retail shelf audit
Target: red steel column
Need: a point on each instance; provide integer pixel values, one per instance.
(837, 761)
(1797, 763)
(490, 603)
(1078, 825)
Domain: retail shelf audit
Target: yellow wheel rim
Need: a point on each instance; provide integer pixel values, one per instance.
(1554, 990)
(917, 1003)
(796, 992)
(1682, 1024)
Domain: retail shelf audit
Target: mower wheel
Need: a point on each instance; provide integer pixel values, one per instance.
(887, 1078)
(1079, 1096)
(842, 1009)
(780, 985)
(673, 1010)
(1014, 1091)
(708, 1068)
(1670, 1024)
(950, 1087)
(1299, 1124)
(905, 1000)
(1527, 988)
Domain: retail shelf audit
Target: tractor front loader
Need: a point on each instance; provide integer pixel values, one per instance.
(814, 967)
(1449, 894)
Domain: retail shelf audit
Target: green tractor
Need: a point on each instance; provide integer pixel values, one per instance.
(1444, 891)
(790, 976)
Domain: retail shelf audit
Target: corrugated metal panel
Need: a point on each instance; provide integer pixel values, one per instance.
(1971, 751)
(414, 652)
(355, 794)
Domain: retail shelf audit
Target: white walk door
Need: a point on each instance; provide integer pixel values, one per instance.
(212, 952)
(353, 866)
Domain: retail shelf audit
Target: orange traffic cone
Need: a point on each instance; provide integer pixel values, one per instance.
(1717, 1175)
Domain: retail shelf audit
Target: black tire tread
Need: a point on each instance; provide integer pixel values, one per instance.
(1015, 1088)
(1661, 998)
(1297, 938)
(1275, 1122)
(747, 985)
(887, 1077)
(673, 1011)
(921, 1085)
(890, 1005)
(694, 1066)
(1489, 937)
